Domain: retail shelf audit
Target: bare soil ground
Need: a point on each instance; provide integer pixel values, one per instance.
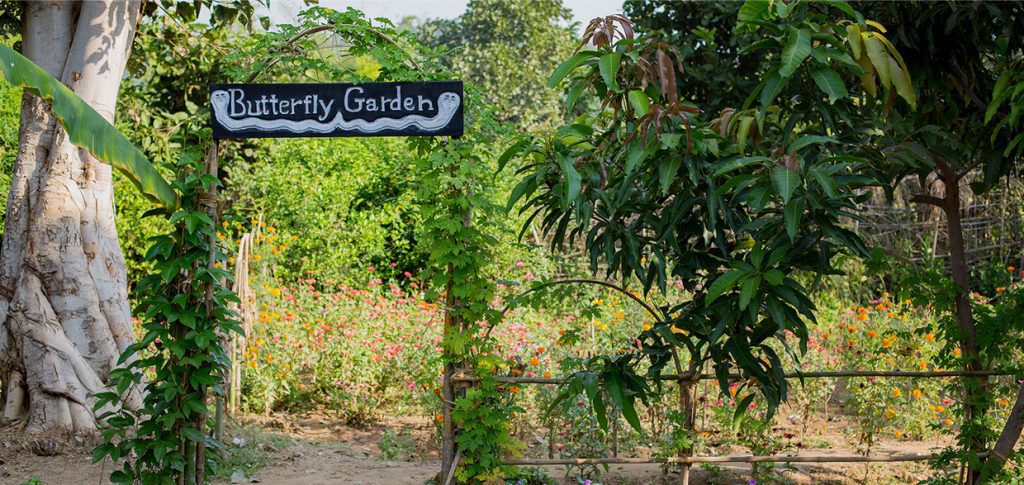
(314, 449)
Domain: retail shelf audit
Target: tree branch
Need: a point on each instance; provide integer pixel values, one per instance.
(928, 199)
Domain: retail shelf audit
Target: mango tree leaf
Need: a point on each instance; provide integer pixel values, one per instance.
(641, 104)
(753, 10)
(772, 87)
(797, 48)
(879, 58)
(747, 290)
(721, 285)
(828, 82)
(573, 180)
(901, 81)
(786, 181)
(739, 163)
(667, 171)
(808, 140)
(792, 213)
(853, 37)
(609, 67)
(88, 129)
(773, 277)
(566, 67)
(741, 410)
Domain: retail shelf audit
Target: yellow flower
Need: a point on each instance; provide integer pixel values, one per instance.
(231, 260)
(949, 422)
(547, 374)
(889, 413)
(916, 393)
(940, 409)
(225, 224)
(899, 434)
(930, 337)
(647, 327)
(619, 316)
(896, 392)
(1003, 402)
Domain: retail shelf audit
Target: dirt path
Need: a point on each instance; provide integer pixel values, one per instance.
(312, 450)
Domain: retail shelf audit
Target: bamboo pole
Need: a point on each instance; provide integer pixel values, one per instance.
(726, 459)
(791, 375)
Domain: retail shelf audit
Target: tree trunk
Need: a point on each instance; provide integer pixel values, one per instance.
(974, 387)
(63, 287)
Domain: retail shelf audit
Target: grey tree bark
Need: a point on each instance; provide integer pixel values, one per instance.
(64, 315)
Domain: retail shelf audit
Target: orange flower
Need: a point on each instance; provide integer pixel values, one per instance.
(923, 365)
(851, 328)
(889, 413)
(930, 337)
(916, 393)
(956, 352)
(871, 333)
(1010, 268)
(940, 409)
(1003, 402)
(886, 342)
(534, 361)
(863, 317)
(896, 392)
(540, 350)
(1001, 290)
(547, 374)
(948, 422)
(439, 418)
(824, 335)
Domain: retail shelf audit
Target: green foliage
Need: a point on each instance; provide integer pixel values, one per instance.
(485, 434)
(10, 108)
(183, 307)
(352, 201)
(507, 49)
(663, 195)
(87, 128)
(719, 71)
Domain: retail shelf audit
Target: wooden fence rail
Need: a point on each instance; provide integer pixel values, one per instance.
(747, 458)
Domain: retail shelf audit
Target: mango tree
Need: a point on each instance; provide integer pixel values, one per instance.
(734, 204)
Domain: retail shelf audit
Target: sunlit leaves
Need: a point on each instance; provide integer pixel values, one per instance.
(87, 129)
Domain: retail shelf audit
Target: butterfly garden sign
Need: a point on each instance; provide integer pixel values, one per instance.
(336, 109)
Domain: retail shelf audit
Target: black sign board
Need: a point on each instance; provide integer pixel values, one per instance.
(305, 110)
